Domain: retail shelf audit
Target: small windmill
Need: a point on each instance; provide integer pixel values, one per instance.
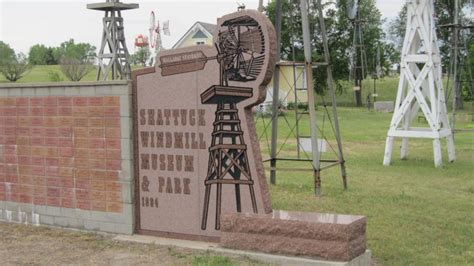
(155, 33)
(358, 59)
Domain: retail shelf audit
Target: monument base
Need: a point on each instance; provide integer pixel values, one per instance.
(362, 260)
(322, 236)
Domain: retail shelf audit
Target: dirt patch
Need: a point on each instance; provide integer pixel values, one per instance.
(21, 244)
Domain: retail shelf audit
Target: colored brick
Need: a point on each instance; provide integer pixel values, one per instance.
(51, 141)
(67, 183)
(97, 143)
(97, 164)
(114, 154)
(53, 181)
(98, 195)
(80, 122)
(81, 163)
(80, 111)
(50, 101)
(114, 207)
(112, 132)
(52, 170)
(66, 162)
(112, 122)
(23, 111)
(65, 142)
(113, 144)
(65, 172)
(55, 201)
(64, 101)
(65, 111)
(81, 143)
(96, 111)
(67, 203)
(96, 122)
(65, 132)
(51, 121)
(98, 174)
(50, 111)
(111, 101)
(65, 121)
(66, 151)
(36, 111)
(83, 184)
(22, 101)
(80, 101)
(112, 175)
(82, 173)
(81, 153)
(83, 204)
(113, 186)
(96, 132)
(112, 111)
(97, 184)
(53, 192)
(95, 101)
(81, 132)
(36, 101)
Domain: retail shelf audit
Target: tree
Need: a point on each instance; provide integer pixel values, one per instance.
(41, 55)
(74, 69)
(80, 51)
(6, 53)
(339, 32)
(444, 14)
(14, 68)
(141, 56)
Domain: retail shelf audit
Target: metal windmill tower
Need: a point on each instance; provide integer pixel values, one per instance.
(314, 158)
(358, 59)
(420, 86)
(113, 63)
(460, 72)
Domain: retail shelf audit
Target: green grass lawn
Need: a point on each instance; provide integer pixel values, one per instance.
(417, 214)
(42, 74)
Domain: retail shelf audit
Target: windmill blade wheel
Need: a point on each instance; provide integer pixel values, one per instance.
(242, 49)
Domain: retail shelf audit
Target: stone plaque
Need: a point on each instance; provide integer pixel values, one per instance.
(196, 150)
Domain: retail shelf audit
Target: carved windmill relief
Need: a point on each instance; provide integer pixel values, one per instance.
(241, 54)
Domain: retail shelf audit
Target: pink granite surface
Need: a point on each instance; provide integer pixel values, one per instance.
(326, 236)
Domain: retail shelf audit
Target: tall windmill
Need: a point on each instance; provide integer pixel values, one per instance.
(460, 72)
(155, 33)
(113, 54)
(358, 58)
(420, 86)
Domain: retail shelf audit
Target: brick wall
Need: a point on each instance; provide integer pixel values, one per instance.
(65, 155)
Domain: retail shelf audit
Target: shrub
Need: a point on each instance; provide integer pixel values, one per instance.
(74, 69)
(14, 68)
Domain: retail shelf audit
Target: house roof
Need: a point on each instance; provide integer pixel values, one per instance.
(207, 28)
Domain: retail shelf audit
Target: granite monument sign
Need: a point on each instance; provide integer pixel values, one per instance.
(196, 149)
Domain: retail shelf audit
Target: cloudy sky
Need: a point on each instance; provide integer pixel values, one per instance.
(24, 23)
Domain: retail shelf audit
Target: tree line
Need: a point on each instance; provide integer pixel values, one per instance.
(75, 60)
(380, 36)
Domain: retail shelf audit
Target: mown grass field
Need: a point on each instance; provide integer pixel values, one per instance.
(417, 214)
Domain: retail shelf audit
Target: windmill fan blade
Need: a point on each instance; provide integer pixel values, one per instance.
(252, 40)
(166, 28)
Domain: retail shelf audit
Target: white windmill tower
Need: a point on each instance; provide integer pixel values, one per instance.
(420, 86)
(155, 34)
